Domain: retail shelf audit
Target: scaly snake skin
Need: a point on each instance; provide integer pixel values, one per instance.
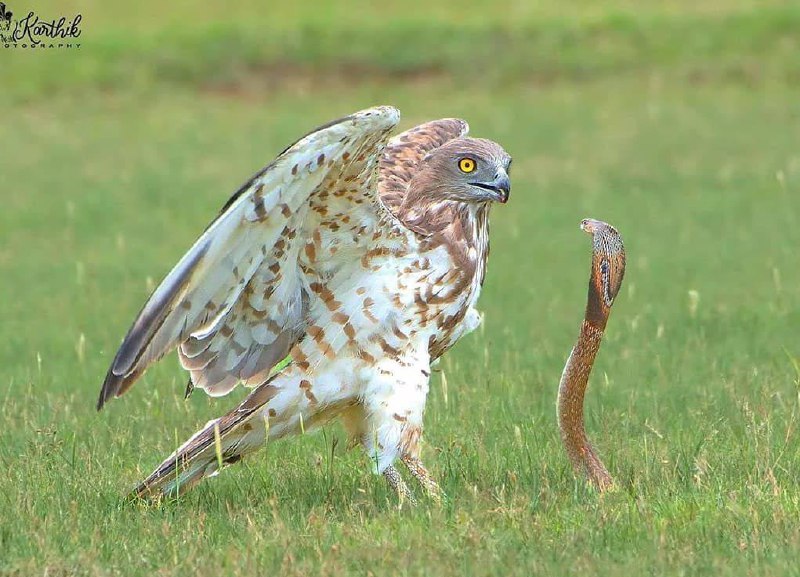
(608, 269)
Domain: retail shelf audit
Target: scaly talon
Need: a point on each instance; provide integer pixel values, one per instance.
(421, 474)
(397, 483)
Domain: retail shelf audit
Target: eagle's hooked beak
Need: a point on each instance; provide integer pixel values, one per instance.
(498, 189)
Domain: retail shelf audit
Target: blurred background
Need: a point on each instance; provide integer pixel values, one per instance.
(678, 121)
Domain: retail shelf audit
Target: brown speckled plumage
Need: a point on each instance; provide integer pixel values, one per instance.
(358, 258)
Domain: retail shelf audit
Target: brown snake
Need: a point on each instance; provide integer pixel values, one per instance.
(608, 268)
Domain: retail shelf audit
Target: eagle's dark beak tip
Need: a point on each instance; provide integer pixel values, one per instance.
(503, 185)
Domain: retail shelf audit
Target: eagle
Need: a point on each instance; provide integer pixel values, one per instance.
(329, 282)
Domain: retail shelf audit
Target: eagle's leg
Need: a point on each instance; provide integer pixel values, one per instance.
(399, 486)
(421, 474)
(393, 403)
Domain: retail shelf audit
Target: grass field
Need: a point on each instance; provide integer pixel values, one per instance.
(679, 122)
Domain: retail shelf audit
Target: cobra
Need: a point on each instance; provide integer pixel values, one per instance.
(608, 269)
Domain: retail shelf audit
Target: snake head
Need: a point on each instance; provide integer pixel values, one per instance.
(592, 226)
(608, 262)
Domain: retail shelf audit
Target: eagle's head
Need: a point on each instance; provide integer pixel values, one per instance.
(471, 170)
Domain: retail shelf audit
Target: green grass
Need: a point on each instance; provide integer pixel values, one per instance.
(264, 47)
(693, 156)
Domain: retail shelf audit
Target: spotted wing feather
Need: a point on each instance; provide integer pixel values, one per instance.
(245, 267)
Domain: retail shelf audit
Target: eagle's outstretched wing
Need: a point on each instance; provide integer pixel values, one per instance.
(236, 301)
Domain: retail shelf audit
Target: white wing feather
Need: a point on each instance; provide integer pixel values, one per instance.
(214, 300)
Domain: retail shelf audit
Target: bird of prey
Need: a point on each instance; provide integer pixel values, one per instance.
(329, 282)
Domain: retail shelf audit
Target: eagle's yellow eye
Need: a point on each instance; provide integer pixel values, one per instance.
(466, 165)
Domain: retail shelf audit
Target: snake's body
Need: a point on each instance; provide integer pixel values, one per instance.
(608, 269)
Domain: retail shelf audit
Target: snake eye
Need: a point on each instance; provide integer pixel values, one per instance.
(467, 165)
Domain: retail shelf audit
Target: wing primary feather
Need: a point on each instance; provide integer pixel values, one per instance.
(147, 323)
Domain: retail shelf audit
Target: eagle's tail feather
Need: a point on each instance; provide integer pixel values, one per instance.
(221, 442)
